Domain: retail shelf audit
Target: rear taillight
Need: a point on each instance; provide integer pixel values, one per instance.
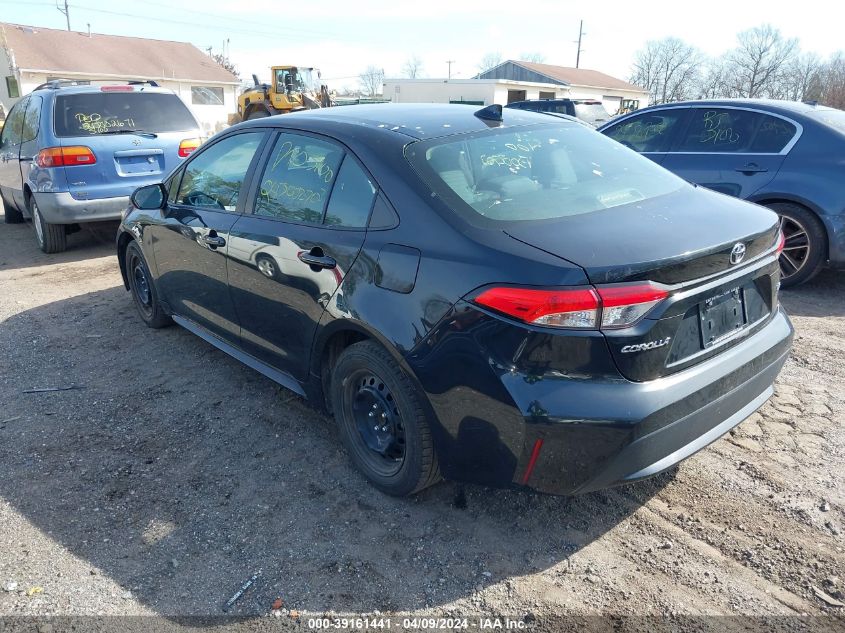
(187, 147)
(608, 307)
(65, 156)
(781, 243)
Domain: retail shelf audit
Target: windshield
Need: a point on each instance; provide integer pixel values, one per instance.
(536, 173)
(591, 112)
(94, 113)
(300, 79)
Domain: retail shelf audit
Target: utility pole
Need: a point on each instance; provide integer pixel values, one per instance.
(66, 11)
(449, 62)
(580, 35)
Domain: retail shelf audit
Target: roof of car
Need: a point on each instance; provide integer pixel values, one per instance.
(797, 107)
(416, 120)
(85, 89)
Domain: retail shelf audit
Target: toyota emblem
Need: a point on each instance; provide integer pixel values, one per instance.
(136, 141)
(737, 253)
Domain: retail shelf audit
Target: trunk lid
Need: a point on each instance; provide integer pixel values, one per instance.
(684, 241)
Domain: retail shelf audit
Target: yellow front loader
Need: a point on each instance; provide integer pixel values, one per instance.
(293, 88)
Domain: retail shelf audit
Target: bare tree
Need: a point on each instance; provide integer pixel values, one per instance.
(668, 69)
(372, 80)
(801, 79)
(757, 63)
(537, 58)
(833, 82)
(412, 68)
(490, 60)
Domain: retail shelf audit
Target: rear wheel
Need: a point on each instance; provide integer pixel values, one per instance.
(804, 248)
(382, 421)
(52, 238)
(143, 289)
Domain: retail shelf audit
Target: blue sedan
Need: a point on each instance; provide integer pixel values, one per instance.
(785, 155)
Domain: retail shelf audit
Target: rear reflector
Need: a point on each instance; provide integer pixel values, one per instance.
(65, 156)
(187, 147)
(535, 453)
(577, 308)
(583, 308)
(781, 243)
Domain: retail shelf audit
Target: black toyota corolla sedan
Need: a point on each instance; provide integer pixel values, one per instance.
(498, 297)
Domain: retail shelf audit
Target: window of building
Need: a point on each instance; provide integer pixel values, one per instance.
(12, 88)
(207, 95)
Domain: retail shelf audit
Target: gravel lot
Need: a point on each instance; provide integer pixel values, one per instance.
(172, 474)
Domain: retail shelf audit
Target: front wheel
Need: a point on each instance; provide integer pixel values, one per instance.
(52, 238)
(804, 247)
(382, 420)
(143, 289)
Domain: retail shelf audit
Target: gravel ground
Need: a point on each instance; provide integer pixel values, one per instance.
(171, 474)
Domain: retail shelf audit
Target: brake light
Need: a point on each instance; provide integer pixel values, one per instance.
(65, 156)
(623, 306)
(608, 307)
(575, 308)
(781, 242)
(116, 89)
(188, 146)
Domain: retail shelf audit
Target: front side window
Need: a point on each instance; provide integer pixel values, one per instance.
(536, 173)
(649, 131)
(298, 179)
(720, 130)
(213, 179)
(12, 129)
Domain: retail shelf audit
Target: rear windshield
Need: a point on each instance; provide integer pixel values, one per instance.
(96, 113)
(830, 117)
(536, 173)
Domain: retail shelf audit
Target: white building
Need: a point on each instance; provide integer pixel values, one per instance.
(30, 56)
(517, 81)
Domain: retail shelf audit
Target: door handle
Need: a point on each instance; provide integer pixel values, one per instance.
(213, 241)
(751, 168)
(316, 258)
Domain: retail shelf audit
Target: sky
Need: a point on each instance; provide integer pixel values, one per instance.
(343, 37)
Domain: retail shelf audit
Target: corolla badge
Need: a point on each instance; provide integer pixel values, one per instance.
(642, 347)
(737, 253)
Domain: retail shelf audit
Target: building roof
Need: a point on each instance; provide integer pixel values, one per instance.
(573, 76)
(73, 53)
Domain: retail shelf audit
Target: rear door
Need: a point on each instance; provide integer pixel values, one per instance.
(134, 133)
(191, 242)
(10, 151)
(735, 151)
(650, 133)
(288, 257)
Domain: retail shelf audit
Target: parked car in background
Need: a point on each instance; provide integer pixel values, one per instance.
(495, 296)
(74, 153)
(588, 110)
(780, 154)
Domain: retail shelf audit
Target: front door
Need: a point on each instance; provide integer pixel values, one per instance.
(10, 151)
(289, 256)
(731, 150)
(190, 243)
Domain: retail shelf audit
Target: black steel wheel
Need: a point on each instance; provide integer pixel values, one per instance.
(143, 289)
(382, 420)
(804, 248)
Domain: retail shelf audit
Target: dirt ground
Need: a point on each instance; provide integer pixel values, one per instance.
(171, 474)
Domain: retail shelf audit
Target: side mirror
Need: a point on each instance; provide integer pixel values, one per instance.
(149, 198)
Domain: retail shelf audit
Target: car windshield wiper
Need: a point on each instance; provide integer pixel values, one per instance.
(138, 132)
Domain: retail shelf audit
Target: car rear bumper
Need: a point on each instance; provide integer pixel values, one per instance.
(646, 428)
(63, 208)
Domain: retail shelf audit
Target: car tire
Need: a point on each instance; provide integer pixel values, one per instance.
(257, 114)
(52, 238)
(806, 243)
(143, 289)
(397, 454)
(11, 214)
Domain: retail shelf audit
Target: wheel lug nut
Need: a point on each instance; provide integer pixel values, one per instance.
(384, 415)
(375, 428)
(384, 428)
(371, 414)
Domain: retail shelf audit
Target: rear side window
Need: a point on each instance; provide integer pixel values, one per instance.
(352, 197)
(720, 130)
(298, 179)
(537, 173)
(649, 131)
(213, 178)
(773, 135)
(29, 132)
(95, 113)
